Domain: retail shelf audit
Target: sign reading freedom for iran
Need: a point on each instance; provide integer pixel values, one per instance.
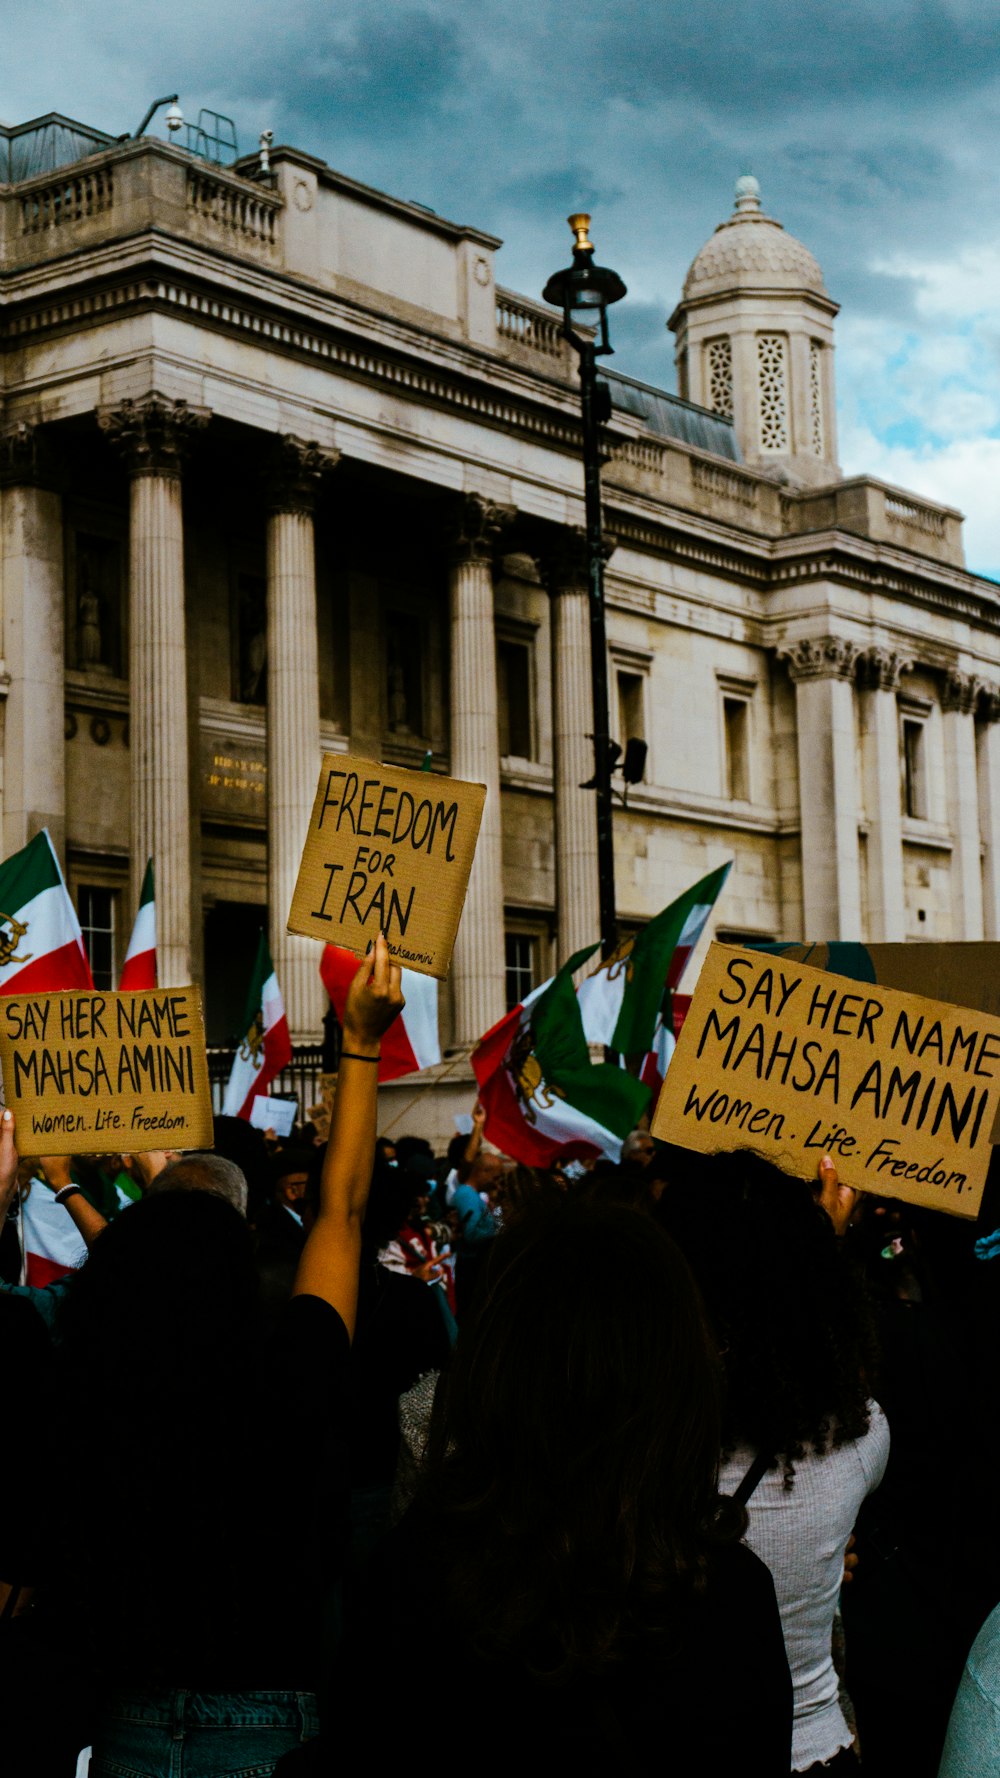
(391, 851)
(86, 1072)
(796, 1063)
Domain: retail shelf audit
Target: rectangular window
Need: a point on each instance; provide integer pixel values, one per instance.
(736, 731)
(914, 769)
(519, 958)
(631, 707)
(514, 699)
(97, 922)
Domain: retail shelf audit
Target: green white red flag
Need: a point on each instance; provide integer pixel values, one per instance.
(50, 1242)
(139, 967)
(41, 945)
(626, 1003)
(411, 1042)
(266, 1047)
(544, 1098)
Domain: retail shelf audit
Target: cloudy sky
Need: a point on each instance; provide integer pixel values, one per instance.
(872, 125)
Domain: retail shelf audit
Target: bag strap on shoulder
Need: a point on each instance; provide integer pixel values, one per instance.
(758, 1469)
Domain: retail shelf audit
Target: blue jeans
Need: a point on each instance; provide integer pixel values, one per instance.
(175, 1734)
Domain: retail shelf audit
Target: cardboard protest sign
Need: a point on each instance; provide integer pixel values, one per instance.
(796, 1062)
(964, 972)
(273, 1114)
(387, 850)
(86, 1072)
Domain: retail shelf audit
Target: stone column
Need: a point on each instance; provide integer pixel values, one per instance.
(879, 672)
(578, 912)
(293, 745)
(478, 963)
(958, 703)
(153, 435)
(31, 550)
(988, 773)
(823, 670)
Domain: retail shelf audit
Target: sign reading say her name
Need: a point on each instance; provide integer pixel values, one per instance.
(87, 1072)
(796, 1063)
(387, 851)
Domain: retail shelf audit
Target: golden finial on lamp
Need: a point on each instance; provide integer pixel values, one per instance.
(580, 224)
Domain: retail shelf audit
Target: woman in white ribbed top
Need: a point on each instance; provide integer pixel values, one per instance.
(798, 1351)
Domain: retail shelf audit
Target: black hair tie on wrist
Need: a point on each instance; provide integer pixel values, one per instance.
(352, 1056)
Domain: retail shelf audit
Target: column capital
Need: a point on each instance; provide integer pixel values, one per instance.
(881, 668)
(152, 433)
(476, 528)
(961, 691)
(293, 473)
(821, 657)
(26, 457)
(564, 564)
(989, 702)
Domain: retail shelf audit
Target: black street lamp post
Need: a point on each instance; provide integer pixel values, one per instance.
(584, 291)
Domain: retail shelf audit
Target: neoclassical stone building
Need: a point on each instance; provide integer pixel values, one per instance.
(282, 468)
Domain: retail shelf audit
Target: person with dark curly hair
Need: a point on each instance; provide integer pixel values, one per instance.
(798, 1348)
(568, 1560)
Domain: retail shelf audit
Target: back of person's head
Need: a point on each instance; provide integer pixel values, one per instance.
(290, 1163)
(608, 1183)
(789, 1311)
(235, 1139)
(200, 1171)
(456, 1152)
(389, 1202)
(163, 1319)
(524, 1189)
(413, 1145)
(575, 1451)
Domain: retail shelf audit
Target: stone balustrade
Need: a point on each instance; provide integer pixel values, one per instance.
(531, 327)
(870, 508)
(241, 218)
(675, 472)
(132, 186)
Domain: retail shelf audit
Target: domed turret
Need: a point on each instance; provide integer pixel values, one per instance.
(754, 333)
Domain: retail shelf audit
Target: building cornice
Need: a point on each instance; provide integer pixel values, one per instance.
(164, 276)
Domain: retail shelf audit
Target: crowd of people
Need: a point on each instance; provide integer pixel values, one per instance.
(346, 1451)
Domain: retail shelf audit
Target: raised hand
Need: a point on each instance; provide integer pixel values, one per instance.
(374, 999)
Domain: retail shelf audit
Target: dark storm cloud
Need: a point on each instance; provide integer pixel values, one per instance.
(872, 125)
(746, 56)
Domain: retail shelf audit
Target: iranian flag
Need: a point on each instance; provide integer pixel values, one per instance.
(51, 1242)
(543, 1096)
(625, 1004)
(41, 945)
(412, 1040)
(139, 968)
(266, 1047)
